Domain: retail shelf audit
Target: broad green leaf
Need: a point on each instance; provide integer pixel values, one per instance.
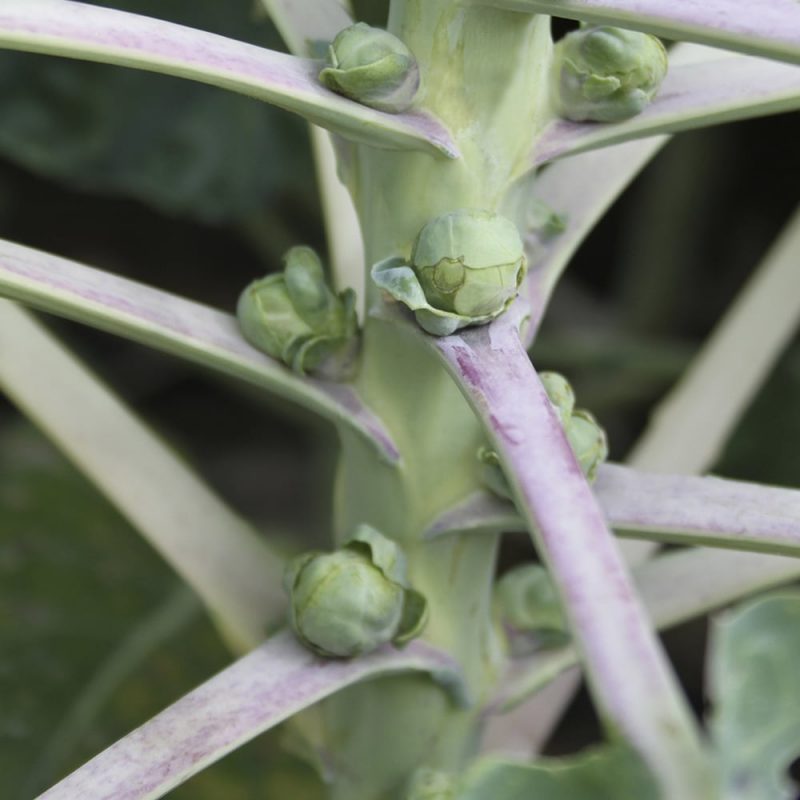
(768, 27)
(754, 657)
(178, 326)
(224, 560)
(693, 95)
(251, 696)
(78, 30)
(608, 773)
(183, 147)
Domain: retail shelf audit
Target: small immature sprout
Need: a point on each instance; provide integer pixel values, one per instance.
(542, 221)
(492, 474)
(465, 269)
(525, 602)
(587, 439)
(294, 316)
(373, 67)
(351, 601)
(607, 74)
(560, 393)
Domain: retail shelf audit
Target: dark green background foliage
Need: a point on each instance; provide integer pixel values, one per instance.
(96, 634)
(181, 146)
(185, 187)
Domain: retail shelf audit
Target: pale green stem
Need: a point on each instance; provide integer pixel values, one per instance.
(484, 74)
(342, 228)
(304, 24)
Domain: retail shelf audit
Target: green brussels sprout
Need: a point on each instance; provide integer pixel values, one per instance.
(607, 74)
(295, 317)
(526, 602)
(351, 601)
(373, 67)
(465, 269)
(588, 442)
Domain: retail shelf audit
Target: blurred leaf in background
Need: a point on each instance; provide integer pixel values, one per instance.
(97, 635)
(182, 147)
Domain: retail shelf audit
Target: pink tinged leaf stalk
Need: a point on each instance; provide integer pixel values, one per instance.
(695, 510)
(257, 692)
(178, 326)
(78, 30)
(692, 96)
(765, 27)
(678, 509)
(626, 668)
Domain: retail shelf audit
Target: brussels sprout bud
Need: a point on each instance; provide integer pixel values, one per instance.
(542, 221)
(588, 442)
(526, 601)
(353, 600)
(373, 67)
(608, 74)
(465, 269)
(560, 393)
(295, 317)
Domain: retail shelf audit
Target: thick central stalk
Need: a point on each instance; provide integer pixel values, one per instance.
(484, 74)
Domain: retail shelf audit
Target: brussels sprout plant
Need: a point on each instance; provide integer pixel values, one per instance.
(464, 151)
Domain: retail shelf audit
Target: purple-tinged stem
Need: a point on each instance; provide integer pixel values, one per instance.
(678, 509)
(254, 694)
(767, 27)
(717, 579)
(632, 683)
(693, 95)
(178, 326)
(92, 33)
(692, 510)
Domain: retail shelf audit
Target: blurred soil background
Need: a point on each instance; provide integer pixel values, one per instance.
(197, 192)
